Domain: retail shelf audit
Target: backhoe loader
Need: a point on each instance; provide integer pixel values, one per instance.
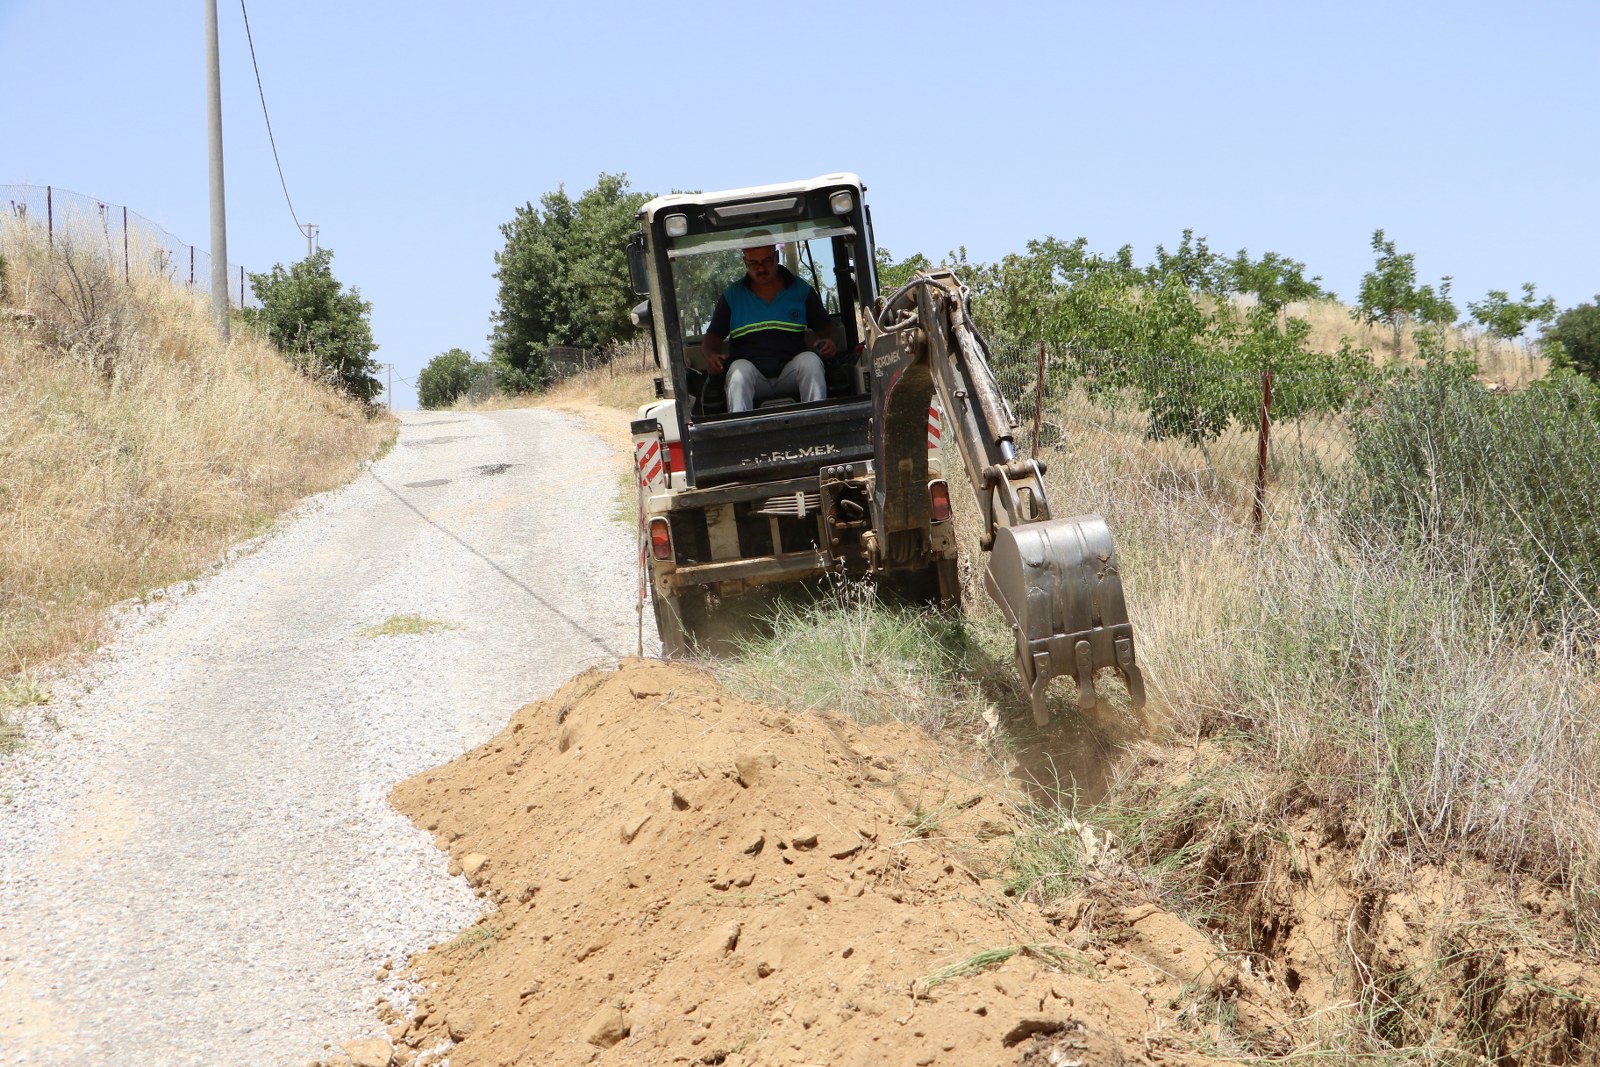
(851, 485)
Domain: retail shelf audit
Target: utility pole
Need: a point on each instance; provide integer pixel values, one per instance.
(391, 388)
(309, 227)
(219, 209)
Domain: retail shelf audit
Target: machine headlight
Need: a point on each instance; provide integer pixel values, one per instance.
(842, 203)
(677, 225)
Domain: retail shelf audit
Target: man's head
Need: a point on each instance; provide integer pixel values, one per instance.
(761, 263)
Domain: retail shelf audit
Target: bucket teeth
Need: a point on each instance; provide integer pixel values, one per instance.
(1084, 661)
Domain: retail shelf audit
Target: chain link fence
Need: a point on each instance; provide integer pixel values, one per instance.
(1232, 430)
(127, 240)
(1505, 481)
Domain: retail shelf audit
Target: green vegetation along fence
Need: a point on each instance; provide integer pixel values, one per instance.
(1501, 484)
(127, 239)
(1202, 424)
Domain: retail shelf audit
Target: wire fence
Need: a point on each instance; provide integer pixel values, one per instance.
(127, 240)
(1236, 433)
(1503, 480)
(565, 361)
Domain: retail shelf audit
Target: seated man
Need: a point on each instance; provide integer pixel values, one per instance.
(762, 318)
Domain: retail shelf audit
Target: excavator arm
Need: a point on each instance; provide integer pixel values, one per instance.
(1056, 580)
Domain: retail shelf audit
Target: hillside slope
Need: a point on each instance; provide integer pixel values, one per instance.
(134, 445)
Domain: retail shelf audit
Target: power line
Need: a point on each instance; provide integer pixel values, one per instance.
(270, 139)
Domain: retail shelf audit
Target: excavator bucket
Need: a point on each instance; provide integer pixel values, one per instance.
(1057, 582)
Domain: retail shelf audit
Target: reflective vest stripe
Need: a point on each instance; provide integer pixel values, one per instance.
(770, 324)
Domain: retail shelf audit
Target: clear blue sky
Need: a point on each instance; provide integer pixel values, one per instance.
(410, 131)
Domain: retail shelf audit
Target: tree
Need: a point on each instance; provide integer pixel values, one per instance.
(1435, 307)
(1497, 314)
(563, 278)
(1275, 280)
(445, 378)
(1192, 264)
(1574, 339)
(321, 328)
(892, 275)
(1390, 294)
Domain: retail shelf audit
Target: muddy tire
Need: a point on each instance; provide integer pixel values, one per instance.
(936, 586)
(678, 621)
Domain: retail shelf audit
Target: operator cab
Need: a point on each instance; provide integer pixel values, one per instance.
(689, 250)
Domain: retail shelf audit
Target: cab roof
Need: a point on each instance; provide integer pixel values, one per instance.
(654, 207)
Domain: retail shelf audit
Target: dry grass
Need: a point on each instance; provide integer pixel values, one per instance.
(1359, 676)
(852, 654)
(623, 381)
(134, 446)
(495, 402)
(1302, 670)
(1507, 363)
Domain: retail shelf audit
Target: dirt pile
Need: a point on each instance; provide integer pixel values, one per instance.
(684, 877)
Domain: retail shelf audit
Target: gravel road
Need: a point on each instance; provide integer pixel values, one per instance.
(198, 864)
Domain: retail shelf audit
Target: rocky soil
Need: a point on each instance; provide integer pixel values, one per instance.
(680, 876)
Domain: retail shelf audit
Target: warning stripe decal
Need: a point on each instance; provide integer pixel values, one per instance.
(649, 455)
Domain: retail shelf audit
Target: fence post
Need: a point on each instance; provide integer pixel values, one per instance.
(1258, 512)
(241, 287)
(50, 214)
(191, 266)
(1038, 402)
(125, 277)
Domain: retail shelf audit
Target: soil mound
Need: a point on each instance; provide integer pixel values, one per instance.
(684, 877)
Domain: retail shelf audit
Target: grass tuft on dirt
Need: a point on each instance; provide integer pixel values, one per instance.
(862, 658)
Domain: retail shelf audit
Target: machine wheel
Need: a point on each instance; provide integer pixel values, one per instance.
(678, 619)
(947, 580)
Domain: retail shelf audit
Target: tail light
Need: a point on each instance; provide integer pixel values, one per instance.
(660, 539)
(939, 499)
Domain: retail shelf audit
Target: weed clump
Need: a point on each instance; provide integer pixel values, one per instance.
(1498, 488)
(866, 659)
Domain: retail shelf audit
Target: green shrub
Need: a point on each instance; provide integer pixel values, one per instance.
(446, 377)
(1500, 487)
(1573, 340)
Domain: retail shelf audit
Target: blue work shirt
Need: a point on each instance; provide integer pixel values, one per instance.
(768, 334)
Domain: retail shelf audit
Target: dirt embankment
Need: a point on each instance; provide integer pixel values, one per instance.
(684, 877)
(680, 876)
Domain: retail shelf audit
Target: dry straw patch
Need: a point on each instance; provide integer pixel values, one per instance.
(1360, 672)
(621, 381)
(1509, 364)
(1299, 677)
(134, 446)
